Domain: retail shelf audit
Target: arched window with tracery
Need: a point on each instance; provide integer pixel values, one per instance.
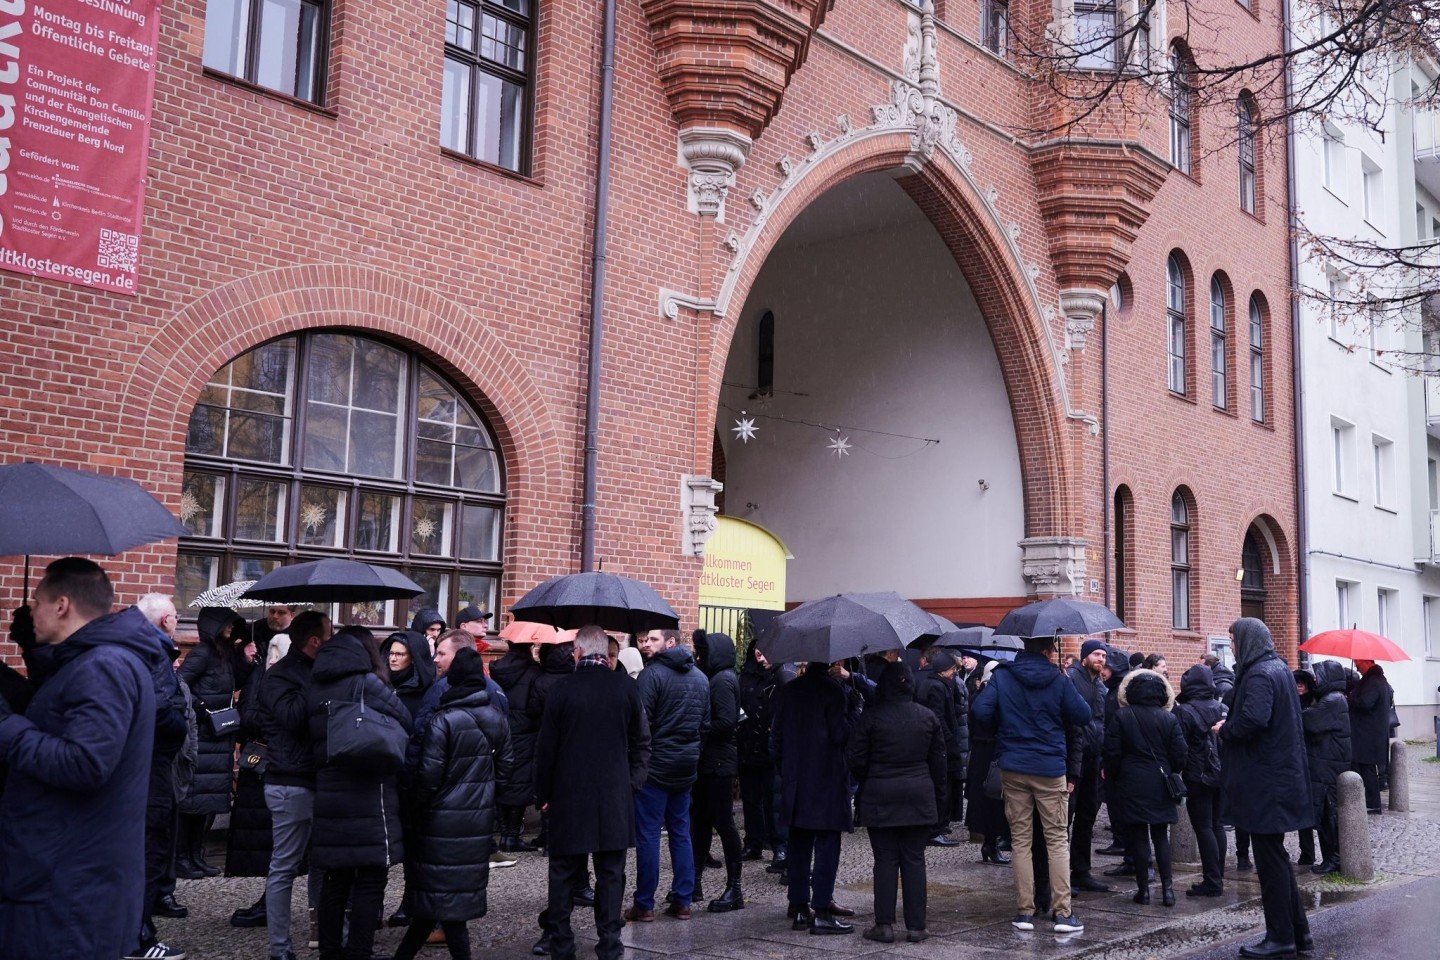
(1179, 562)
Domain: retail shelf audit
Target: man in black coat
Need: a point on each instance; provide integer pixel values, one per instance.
(1370, 729)
(591, 759)
(1263, 775)
(760, 681)
(1085, 798)
(933, 690)
(516, 673)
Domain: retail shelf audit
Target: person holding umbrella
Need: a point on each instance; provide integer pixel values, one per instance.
(1370, 729)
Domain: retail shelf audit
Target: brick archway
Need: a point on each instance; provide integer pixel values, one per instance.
(987, 257)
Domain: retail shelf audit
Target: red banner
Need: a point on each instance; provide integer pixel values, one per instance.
(77, 80)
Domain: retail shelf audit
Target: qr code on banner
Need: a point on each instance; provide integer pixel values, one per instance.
(118, 251)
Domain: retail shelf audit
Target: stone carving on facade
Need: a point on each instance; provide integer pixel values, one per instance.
(697, 504)
(784, 165)
(1081, 308)
(1054, 566)
(712, 155)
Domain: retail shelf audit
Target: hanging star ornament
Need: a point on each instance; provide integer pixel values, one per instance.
(840, 446)
(744, 428)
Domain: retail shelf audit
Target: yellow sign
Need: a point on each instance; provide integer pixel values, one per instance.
(744, 567)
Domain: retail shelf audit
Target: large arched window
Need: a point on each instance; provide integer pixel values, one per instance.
(1218, 344)
(1179, 562)
(334, 444)
(1175, 323)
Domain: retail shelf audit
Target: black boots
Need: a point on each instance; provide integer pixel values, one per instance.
(511, 827)
(190, 849)
(732, 898)
(1167, 892)
(990, 853)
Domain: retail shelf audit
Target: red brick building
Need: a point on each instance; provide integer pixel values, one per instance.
(395, 199)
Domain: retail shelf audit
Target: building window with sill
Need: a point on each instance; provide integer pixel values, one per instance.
(277, 44)
(1218, 345)
(1175, 308)
(1257, 360)
(1095, 29)
(1245, 140)
(485, 96)
(1179, 562)
(1180, 117)
(995, 25)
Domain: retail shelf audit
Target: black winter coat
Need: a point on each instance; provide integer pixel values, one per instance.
(676, 698)
(811, 730)
(590, 759)
(1264, 776)
(1092, 691)
(1327, 731)
(357, 813)
(961, 698)
(935, 694)
(420, 676)
(1198, 710)
(1142, 746)
(209, 670)
(283, 707)
(758, 688)
(517, 672)
(249, 837)
(718, 754)
(557, 661)
(1370, 718)
(465, 758)
(897, 755)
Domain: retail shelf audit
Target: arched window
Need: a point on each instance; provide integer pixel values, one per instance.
(1179, 562)
(333, 444)
(1217, 343)
(1245, 141)
(1180, 152)
(1257, 360)
(1124, 553)
(1175, 323)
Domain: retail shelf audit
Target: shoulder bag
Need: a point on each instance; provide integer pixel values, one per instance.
(221, 723)
(254, 757)
(360, 736)
(1174, 782)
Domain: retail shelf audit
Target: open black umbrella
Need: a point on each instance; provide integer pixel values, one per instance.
(605, 599)
(843, 626)
(964, 638)
(333, 580)
(1060, 616)
(47, 509)
(998, 646)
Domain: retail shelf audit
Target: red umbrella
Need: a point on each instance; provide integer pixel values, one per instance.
(525, 631)
(1354, 645)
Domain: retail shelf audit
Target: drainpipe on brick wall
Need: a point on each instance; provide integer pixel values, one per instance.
(594, 362)
(1302, 539)
(1105, 444)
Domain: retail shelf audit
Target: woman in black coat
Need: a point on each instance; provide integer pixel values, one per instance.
(557, 661)
(1370, 704)
(355, 832)
(986, 815)
(712, 798)
(1198, 711)
(516, 673)
(1326, 723)
(209, 671)
(466, 757)
(897, 755)
(411, 667)
(1143, 746)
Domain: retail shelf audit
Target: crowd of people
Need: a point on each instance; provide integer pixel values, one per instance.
(615, 742)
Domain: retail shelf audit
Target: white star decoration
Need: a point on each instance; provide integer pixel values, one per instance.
(840, 446)
(744, 428)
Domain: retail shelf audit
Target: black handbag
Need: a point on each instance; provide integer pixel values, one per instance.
(1174, 782)
(993, 788)
(358, 736)
(221, 723)
(255, 757)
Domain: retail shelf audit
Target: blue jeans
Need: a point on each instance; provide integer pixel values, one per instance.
(652, 806)
(291, 809)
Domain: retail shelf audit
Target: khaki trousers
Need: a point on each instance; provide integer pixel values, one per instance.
(1025, 793)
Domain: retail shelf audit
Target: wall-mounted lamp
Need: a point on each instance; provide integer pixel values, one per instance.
(1239, 574)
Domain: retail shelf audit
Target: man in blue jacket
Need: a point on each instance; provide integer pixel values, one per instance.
(71, 820)
(1031, 704)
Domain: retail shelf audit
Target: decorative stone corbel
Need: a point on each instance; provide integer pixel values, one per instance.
(1081, 308)
(712, 155)
(1054, 566)
(697, 503)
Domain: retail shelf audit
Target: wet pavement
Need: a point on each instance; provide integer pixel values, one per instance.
(970, 906)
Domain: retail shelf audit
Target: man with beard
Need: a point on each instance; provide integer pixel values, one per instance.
(1085, 799)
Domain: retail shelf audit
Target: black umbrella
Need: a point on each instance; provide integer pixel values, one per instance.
(1061, 616)
(965, 638)
(998, 646)
(604, 599)
(55, 510)
(333, 580)
(843, 626)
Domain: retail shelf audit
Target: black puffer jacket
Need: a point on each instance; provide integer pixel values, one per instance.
(465, 760)
(758, 687)
(897, 755)
(1327, 730)
(676, 700)
(283, 718)
(935, 693)
(1141, 746)
(209, 670)
(718, 754)
(357, 814)
(411, 683)
(1199, 710)
(516, 672)
(961, 698)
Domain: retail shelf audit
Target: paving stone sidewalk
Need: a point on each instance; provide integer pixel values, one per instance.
(970, 905)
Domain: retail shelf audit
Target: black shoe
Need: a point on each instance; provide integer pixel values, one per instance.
(1326, 866)
(584, 897)
(711, 863)
(940, 840)
(730, 899)
(989, 854)
(776, 866)
(1142, 896)
(170, 908)
(752, 853)
(1268, 950)
(800, 918)
(1124, 870)
(1114, 850)
(824, 924)
(186, 870)
(1089, 884)
(1243, 865)
(542, 946)
(205, 869)
(1167, 894)
(1305, 860)
(1200, 890)
(251, 916)
(880, 933)
(1304, 943)
(398, 919)
(1002, 845)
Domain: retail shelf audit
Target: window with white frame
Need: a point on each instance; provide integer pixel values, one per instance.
(1180, 154)
(277, 44)
(1344, 608)
(1334, 149)
(1218, 344)
(1384, 604)
(1372, 194)
(1245, 142)
(995, 25)
(1095, 34)
(1342, 443)
(1383, 458)
(1430, 615)
(1175, 324)
(1257, 361)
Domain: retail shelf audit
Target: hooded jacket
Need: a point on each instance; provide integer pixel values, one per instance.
(718, 754)
(897, 755)
(557, 661)
(1370, 718)
(356, 822)
(758, 687)
(1198, 710)
(676, 700)
(72, 842)
(209, 670)
(1142, 747)
(1327, 730)
(516, 673)
(411, 684)
(934, 693)
(425, 617)
(1264, 776)
(1031, 704)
